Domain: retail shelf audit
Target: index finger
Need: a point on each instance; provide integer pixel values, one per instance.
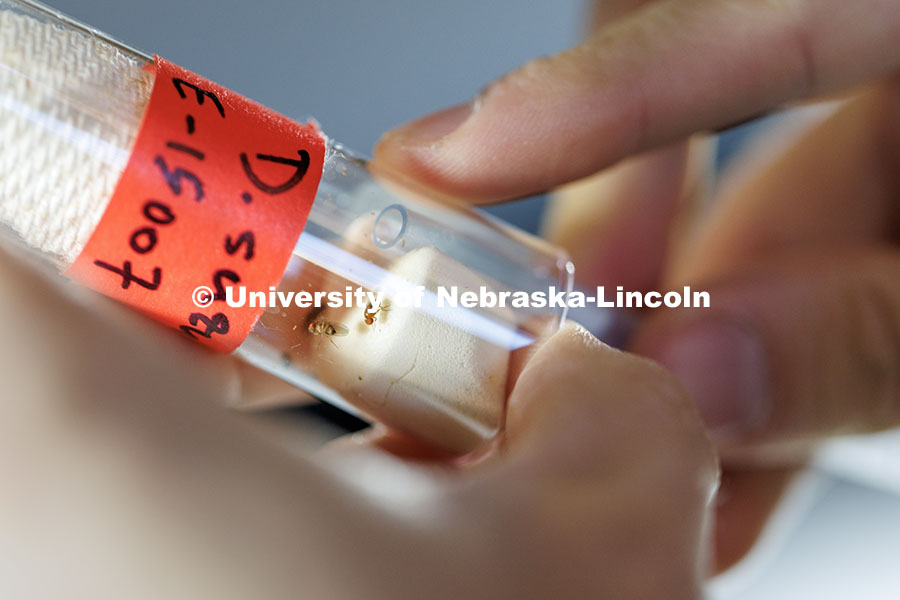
(658, 74)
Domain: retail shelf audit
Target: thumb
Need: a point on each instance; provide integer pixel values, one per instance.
(604, 451)
(578, 401)
(799, 348)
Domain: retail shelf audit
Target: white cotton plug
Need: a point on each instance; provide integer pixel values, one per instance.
(61, 157)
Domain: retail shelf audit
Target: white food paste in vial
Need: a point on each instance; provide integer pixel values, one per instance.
(410, 365)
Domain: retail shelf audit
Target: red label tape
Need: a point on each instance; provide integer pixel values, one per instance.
(216, 192)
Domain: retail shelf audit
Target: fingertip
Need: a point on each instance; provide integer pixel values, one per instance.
(563, 357)
(427, 150)
(601, 400)
(428, 130)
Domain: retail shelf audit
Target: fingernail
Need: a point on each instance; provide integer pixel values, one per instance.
(435, 126)
(722, 364)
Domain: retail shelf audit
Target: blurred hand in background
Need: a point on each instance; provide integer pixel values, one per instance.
(798, 250)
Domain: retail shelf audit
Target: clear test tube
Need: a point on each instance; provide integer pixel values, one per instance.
(71, 102)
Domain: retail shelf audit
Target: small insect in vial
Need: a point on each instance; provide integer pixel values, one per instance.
(371, 311)
(328, 329)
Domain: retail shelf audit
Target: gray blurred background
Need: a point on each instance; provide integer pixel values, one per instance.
(363, 67)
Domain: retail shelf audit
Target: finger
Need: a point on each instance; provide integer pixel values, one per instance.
(832, 184)
(618, 225)
(659, 73)
(746, 500)
(791, 350)
(574, 383)
(615, 223)
(830, 191)
(593, 432)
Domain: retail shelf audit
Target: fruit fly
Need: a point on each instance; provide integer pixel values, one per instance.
(371, 311)
(328, 329)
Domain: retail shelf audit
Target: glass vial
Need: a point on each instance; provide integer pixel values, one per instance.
(71, 102)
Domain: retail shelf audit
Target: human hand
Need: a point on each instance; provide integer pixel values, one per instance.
(123, 478)
(800, 253)
(654, 72)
